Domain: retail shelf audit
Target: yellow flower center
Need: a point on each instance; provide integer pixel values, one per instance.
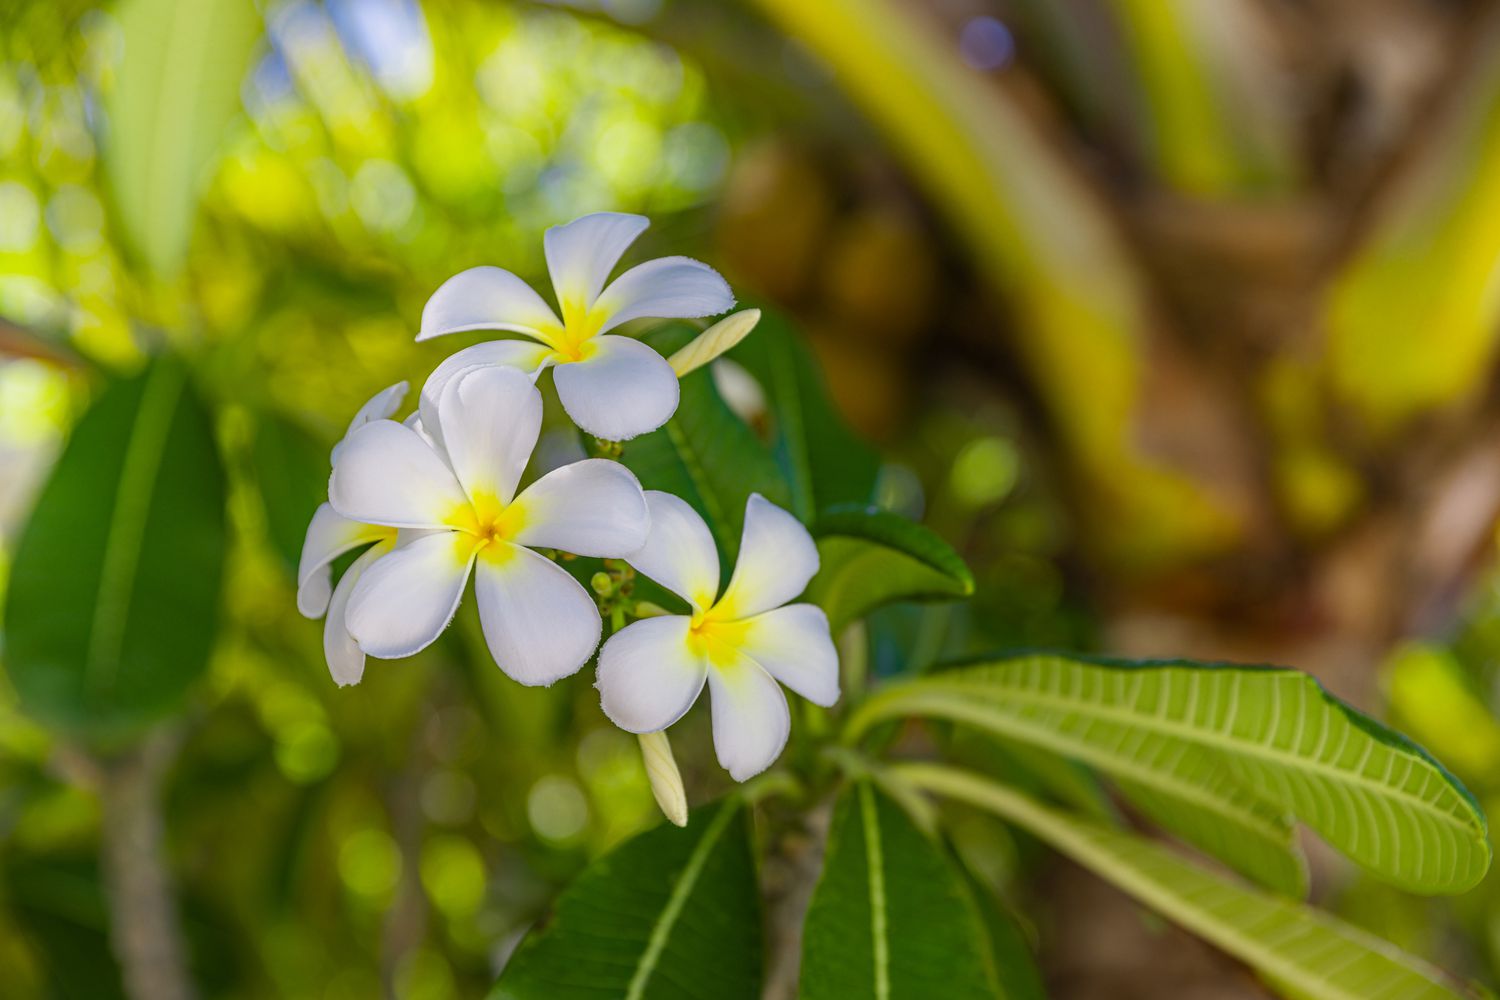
(718, 641)
(574, 342)
(485, 520)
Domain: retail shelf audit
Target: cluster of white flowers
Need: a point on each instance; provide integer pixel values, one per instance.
(435, 498)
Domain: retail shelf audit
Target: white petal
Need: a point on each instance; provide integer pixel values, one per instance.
(621, 390)
(407, 597)
(527, 355)
(329, 536)
(490, 419)
(379, 407)
(386, 474)
(487, 298)
(539, 622)
(581, 254)
(666, 288)
(795, 646)
(590, 508)
(777, 559)
(414, 421)
(679, 552)
(648, 677)
(751, 720)
(346, 661)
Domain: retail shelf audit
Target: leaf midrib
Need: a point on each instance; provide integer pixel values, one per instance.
(1126, 767)
(127, 524)
(880, 950)
(661, 928)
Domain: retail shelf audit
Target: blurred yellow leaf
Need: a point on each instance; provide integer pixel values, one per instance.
(1439, 711)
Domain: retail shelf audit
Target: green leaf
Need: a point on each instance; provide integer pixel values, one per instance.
(1213, 812)
(891, 916)
(291, 472)
(1274, 734)
(873, 557)
(1303, 952)
(115, 588)
(1194, 800)
(176, 88)
(1031, 769)
(706, 455)
(825, 462)
(1015, 965)
(670, 913)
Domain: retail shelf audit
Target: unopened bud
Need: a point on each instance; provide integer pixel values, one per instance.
(714, 341)
(602, 584)
(666, 780)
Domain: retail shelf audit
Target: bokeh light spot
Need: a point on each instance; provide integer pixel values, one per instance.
(985, 43)
(370, 863)
(453, 875)
(985, 471)
(557, 809)
(20, 217)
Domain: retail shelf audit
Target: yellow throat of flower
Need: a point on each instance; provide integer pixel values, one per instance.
(718, 641)
(574, 342)
(485, 520)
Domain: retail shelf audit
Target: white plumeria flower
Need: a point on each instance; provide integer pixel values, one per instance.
(456, 505)
(741, 643)
(330, 536)
(613, 387)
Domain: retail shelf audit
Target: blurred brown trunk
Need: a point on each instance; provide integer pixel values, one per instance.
(144, 930)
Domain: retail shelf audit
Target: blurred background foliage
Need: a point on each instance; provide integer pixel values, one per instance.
(1178, 319)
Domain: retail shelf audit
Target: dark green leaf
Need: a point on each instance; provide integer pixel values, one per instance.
(891, 917)
(706, 455)
(670, 913)
(177, 87)
(873, 557)
(1015, 965)
(291, 473)
(115, 588)
(824, 461)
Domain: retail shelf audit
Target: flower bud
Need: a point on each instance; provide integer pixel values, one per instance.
(666, 780)
(714, 341)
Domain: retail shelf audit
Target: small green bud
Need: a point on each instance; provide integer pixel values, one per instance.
(602, 584)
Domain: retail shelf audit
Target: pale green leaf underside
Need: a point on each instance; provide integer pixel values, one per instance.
(1189, 793)
(1210, 810)
(1299, 950)
(1274, 733)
